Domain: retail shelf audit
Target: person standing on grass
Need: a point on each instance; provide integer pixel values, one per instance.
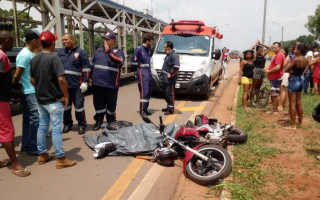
(315, 68)
(245, 76)
(275, 73)
(259, 65)
(6, 125)
(284, 83)
(296, 69)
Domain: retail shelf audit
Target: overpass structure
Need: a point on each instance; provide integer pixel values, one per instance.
(93, 16)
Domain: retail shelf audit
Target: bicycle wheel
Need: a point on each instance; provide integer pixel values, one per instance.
(260, 98)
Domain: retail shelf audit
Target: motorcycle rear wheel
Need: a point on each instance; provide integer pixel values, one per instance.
(209, 173)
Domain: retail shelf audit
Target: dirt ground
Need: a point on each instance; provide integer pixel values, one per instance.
(302, 171)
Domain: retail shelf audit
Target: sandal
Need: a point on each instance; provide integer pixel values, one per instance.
(4, 163)
(21, 172)
(289, 128)
(284, 119)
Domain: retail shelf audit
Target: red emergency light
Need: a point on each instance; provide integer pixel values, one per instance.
(220, 36)
(217, 34)
(188, 23)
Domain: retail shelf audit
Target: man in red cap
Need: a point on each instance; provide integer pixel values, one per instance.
(47, 75)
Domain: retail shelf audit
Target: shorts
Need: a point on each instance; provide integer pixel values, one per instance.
(285, 80)
(6, 125)
(246, 80)
(295, 84)
(275, 87)
(316, 80)
(258, 73)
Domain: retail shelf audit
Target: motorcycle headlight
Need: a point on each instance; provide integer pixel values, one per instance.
(201, 71)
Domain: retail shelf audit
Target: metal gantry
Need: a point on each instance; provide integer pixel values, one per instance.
(60, 16)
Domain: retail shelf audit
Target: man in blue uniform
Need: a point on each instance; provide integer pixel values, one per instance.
(141, 62)
(107, 63)
(76, 66)
(168, 76)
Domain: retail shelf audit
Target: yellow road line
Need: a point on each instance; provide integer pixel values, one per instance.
(117, 189)
(184, 109)
(124, 180)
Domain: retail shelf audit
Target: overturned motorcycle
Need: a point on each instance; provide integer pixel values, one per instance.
(210, 130)
(204, 164)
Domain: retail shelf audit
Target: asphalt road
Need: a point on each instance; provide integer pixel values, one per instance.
(107, 178)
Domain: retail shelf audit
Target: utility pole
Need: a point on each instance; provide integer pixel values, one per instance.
(264, 21)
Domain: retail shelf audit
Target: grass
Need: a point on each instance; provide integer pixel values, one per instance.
(250, 175)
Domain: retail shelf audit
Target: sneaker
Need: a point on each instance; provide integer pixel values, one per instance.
(97, 125)
(168, 112)
(81, 130)
(67, 128)
(164, 109)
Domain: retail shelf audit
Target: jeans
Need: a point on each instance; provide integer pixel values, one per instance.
(307, 78)
(30, 123)
(51, 112)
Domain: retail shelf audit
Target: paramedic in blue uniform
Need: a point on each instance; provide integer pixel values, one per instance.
(168, 76)
(107, 62)
(141, 62)
(77, 69)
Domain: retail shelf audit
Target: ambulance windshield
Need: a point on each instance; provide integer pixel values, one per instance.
(186, 44)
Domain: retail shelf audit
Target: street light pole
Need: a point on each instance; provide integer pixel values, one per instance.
(264, 21)
(282, 28)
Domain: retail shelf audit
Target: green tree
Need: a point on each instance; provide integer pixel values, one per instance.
(313, 23)
(305, 39)
(22, 27)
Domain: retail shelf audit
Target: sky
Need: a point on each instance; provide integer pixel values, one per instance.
(240, 21)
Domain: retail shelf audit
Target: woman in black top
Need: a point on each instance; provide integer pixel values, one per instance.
(245, 76)
(259, 64)
(296, 69)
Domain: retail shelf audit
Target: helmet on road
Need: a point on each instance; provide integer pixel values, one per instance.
(165, 156)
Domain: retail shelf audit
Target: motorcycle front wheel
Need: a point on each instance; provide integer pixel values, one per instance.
(209, 172)
(236, 135)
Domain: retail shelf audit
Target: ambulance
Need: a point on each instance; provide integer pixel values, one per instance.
(199, 50)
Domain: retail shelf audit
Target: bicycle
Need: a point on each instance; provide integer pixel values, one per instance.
(260, 98)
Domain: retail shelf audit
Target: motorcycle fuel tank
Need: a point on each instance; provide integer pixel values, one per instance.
(187, 132)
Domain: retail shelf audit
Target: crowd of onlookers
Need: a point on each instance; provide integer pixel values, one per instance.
(290, 73)
(53, 83)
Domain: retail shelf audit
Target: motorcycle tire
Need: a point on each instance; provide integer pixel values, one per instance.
(198, 170)
(236, 135)
(260, 98)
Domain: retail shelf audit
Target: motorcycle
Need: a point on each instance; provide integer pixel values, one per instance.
(204, 164)
(209, 130)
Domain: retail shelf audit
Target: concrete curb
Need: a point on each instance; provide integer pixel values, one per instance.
(225, 193)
